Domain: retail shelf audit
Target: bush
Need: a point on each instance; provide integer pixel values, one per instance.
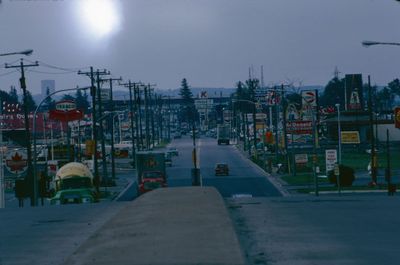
(346, 176)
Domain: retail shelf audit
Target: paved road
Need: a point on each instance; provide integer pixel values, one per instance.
(48, 235)
(330, 230)
(245, 179)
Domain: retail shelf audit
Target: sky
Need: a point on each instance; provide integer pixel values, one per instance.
(211, 43)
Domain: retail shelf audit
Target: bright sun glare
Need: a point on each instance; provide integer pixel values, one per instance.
(100, 17)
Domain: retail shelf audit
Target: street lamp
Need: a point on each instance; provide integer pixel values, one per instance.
(368, 43)
(339, 143)
(337, 105)
(25, 52)
(35, 190)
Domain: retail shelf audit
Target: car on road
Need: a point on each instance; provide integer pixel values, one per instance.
(221, 169)
(151, 180)
(168, 159)
(173, 151)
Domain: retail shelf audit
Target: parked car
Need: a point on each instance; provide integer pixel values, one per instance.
(221, 169)
(173, 151)
(168, 159)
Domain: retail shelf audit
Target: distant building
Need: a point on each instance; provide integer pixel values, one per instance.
(47, 85)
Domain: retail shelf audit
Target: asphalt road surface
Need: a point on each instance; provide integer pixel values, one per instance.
(330, 230)
(244, 180)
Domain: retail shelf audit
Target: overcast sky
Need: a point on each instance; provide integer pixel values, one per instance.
(212, 43)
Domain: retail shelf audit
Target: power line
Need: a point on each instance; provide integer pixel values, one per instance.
(53, 73)
(72, 69)
(8, 73)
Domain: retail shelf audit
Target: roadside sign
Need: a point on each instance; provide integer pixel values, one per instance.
(350, 137)
(65, 105)
(309, 98)
(299, 127)
(336, 170)
(301, 158)
(330, 159)
(17, 161)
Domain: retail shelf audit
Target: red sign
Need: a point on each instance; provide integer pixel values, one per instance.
(70, 115)
(397, 117)
(299, 127)
(16, 161)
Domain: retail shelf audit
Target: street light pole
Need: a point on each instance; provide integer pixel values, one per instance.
(35, 177)
(340, 145)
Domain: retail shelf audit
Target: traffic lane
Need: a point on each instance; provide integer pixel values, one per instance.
(242, 187)
(48, 235)
(245, 179)
(211, 153)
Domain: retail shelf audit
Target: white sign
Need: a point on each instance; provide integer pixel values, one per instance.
(330, 159)
(204, 103)
(309, 98)
(301, 158)
(65, 105)
(261, 116)
(16, 161)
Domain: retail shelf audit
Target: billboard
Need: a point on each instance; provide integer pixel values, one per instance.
(354, 92)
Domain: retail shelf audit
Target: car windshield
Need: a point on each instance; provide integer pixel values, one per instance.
(76, 183)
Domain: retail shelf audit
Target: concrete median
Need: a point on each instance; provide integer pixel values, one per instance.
(167, 226)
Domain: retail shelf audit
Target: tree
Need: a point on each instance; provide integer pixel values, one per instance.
(384, 99)
(333, 93)
(185, 92)
(394, 87)
(30, 102)
(188, 111)
(68, 97)
(81, 100)
(49, 103)
(13, 96)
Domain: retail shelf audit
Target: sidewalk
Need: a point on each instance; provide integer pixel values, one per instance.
(166, 226)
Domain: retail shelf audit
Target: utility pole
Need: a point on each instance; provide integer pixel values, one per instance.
(112, 126)
(136, 95)
(32, 179)
(153, 133)
(371, 122)
(94, 129)
(169, 118)
(133, 114)
(101, 128)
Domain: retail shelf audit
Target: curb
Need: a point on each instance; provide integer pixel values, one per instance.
(276, 183)
(124, 190)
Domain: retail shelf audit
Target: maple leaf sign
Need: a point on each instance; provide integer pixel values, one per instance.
(16, 163)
